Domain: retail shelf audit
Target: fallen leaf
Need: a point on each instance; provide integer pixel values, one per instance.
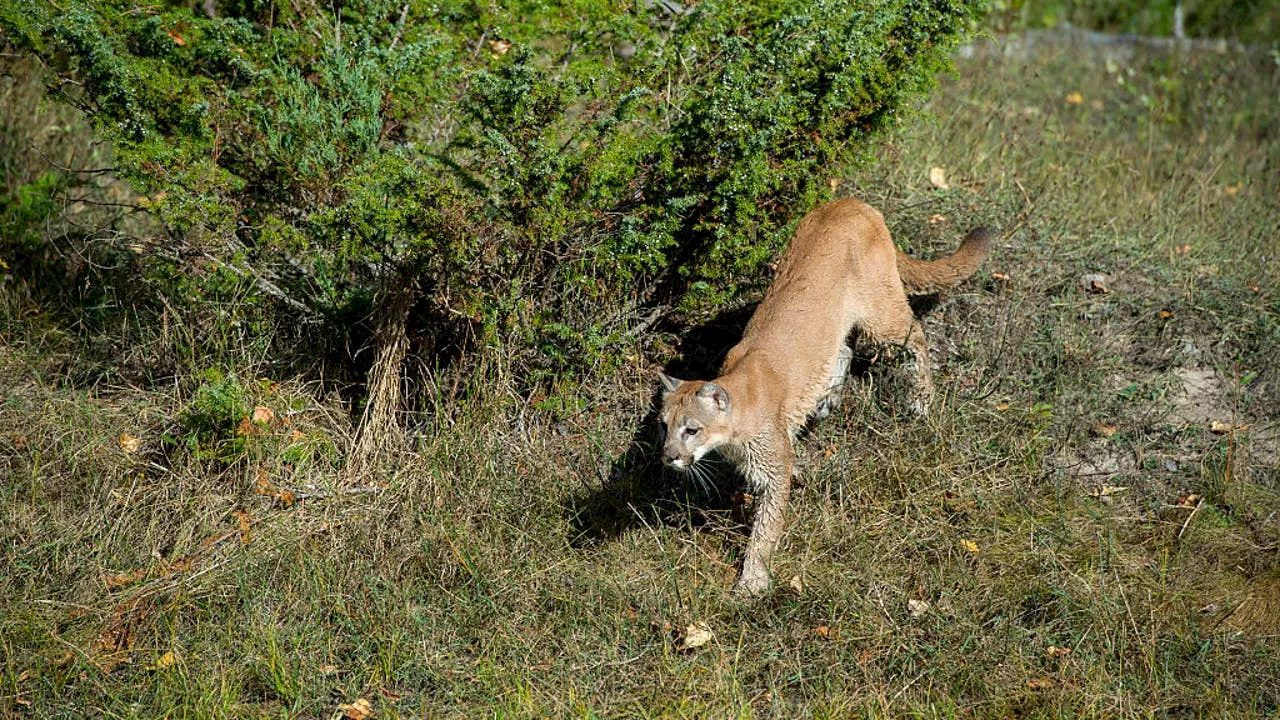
(357, 710)
(1002, 277)
(1002, 406)
(1253, 285)
(695, 636)
(1232, 189)
(286, 498)
(246, 427)
(1183, 249)
(1095, 283)
(1105, 430)
(297, 435)
(262, 414)
(797, 584)
(935, 219)
(938, 178)
(1165, 315)
(243, 519)
(970, 547)
(390, 695)
(327, 669)
(1054, 651)
(1074, 98)
(1042, 683)
(129, 443)
(1189, 500)
(177, 39)
(1103, 491)
(822, 631)
(1217, 427)
(116, 580)
(167, 660)
(918, 608)
(833, 183)
(499, 47)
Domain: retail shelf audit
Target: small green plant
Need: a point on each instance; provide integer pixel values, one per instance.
(221, 401)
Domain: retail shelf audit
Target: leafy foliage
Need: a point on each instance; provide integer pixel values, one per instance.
(539, 171)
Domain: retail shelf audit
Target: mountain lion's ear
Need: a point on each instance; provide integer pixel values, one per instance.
(716, 394)
(669, 384)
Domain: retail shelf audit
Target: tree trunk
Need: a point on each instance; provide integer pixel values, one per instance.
(380, 433)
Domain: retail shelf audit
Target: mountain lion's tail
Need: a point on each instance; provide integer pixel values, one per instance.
(927, 278)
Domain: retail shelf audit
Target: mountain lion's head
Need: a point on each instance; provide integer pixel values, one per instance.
(694, 420)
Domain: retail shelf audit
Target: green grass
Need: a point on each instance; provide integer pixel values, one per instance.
(520, 563)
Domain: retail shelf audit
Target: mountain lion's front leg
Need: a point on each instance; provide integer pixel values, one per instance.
(768, 472)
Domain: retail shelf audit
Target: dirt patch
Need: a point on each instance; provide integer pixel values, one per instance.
(1203, 397)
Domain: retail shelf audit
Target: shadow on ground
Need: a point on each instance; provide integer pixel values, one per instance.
(639, 490)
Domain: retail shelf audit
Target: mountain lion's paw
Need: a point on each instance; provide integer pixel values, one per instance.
(751, 587)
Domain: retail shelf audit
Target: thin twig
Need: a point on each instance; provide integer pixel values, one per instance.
(1187, 522)
(404, 13)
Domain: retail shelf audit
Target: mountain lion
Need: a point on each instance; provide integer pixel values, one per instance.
(841, 273)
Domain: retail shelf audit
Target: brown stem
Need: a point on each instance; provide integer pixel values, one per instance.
(380, 432)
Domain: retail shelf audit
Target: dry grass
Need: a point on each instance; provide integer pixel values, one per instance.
(1063, 538)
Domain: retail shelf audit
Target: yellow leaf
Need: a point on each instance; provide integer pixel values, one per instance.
(499, 47)
(129, 443)
(166, 660)
(1105, 491)
(357, 710)
(918, 608)
(1002, 277)
(695, 636)
(1232, 189)
(970, 547)
(1217, 427)
(935, 219)
(822, 631)
(3, 265)
(938, 178)
(1074, 98)
(797, 584)
(1054, 651)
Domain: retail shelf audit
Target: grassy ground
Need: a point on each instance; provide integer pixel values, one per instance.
(1065, 537)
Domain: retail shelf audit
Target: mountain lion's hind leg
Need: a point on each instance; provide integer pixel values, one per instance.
(896, 326)
(835, 384)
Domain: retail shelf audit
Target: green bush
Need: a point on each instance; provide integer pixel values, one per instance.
(538, 173)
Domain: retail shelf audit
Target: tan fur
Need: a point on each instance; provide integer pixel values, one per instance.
(841, 273)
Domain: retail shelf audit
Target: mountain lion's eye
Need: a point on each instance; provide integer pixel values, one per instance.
(691, 431)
